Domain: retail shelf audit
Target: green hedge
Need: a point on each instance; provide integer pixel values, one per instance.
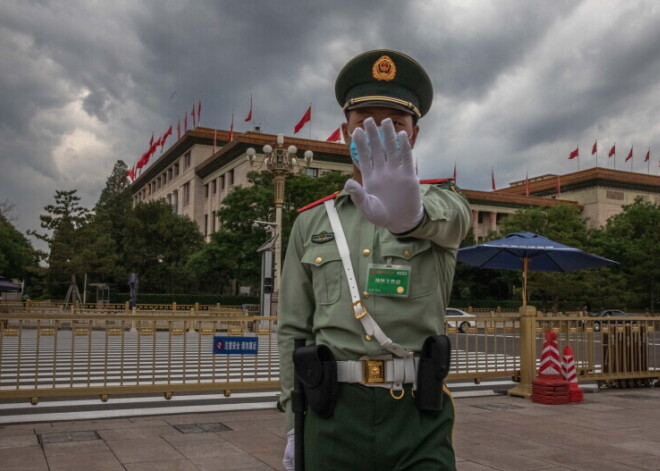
(186, 299)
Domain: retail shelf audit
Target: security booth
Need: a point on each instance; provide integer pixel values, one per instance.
(102, 294)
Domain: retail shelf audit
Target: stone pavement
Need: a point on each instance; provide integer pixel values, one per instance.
(611, 430)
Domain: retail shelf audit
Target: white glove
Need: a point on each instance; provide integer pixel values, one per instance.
(389, 195)
(288, 461)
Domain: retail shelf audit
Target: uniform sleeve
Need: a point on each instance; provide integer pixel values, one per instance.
(446, 217)
(295, 310)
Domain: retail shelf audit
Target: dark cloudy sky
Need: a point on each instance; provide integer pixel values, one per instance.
(518, 83)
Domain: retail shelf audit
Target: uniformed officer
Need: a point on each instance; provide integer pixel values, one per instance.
(372, 281)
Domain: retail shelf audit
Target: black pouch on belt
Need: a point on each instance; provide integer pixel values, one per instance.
(317, 369)
(433, 368)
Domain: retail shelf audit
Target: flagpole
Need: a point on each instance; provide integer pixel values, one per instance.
(310, 120)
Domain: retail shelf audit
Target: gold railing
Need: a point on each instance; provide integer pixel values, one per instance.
(103, 352)
(91, 354)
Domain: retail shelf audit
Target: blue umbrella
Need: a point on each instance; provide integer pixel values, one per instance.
(529, 251)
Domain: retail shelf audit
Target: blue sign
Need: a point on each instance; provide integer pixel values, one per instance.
(235, 345)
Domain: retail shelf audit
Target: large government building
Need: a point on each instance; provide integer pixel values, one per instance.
(194, 180)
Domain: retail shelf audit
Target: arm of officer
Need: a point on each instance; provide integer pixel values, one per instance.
(296, 310)
(447, 217)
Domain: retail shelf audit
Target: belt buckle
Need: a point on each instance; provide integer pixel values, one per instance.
(374, 371)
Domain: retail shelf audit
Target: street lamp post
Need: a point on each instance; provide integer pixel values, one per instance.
(280, 162)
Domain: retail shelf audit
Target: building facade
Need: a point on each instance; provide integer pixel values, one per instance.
(194, 179)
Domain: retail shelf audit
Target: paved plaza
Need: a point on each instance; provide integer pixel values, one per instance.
(611, 430)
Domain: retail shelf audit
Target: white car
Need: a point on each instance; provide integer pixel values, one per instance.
(461, 324)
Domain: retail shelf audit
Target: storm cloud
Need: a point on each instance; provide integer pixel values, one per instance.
(518, 84)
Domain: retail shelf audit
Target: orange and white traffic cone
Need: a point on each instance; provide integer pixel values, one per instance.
(575, 392)
(550, 387)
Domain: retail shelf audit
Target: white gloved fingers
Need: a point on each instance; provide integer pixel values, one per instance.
(407, 158)
(378, 157)
(288, 461)
(391, 147)
(358, 195)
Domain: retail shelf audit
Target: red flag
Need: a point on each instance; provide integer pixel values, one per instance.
(648, 155)
(307, 117)
(199, 112)
(612, 151)
(164, 137)
(335, 136)
(130, 173)
(454, 175)
(594, 149)
(558, 186)
(574, 154)
(231, 128)
(178, 130)
(192, 113)
(142, 161)
(526, 185)
(629, 155)
(492, 179)
(151, 141)
(185, 123)
(248, 118)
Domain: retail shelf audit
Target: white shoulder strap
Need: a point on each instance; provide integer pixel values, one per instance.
(371, 328)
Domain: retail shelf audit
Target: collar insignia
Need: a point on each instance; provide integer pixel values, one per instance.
(323, 237)
(384, 69)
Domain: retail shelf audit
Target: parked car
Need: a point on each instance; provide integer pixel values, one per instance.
(461, 324)
(618, 317)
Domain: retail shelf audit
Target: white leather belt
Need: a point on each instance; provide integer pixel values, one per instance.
(381, 371)
(368, 323)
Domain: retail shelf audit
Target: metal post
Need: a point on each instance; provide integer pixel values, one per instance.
(527, 352)
(279, 202)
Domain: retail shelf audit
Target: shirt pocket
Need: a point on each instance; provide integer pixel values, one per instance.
(325, 264)
(418, 254)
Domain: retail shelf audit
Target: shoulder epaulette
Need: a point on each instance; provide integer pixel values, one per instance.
(436, 181)
(318, 202)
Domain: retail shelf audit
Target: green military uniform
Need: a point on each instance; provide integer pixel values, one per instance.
(370, 429)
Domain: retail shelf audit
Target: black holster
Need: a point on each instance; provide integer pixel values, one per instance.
(317, 369)
(433, 368)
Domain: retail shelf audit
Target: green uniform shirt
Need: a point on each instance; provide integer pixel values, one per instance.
(315, 302)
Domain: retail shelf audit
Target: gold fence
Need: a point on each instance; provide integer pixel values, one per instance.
(97, 354)
(47, 352)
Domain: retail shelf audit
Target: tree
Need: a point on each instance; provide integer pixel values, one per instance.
(17, 256)
(157, 245)
(632, 238)
(107, 231)
(238, 241)
(64, 222)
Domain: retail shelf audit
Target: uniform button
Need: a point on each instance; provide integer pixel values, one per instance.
(407, 253)
(318, 260)
(365, 295)
(366, 252)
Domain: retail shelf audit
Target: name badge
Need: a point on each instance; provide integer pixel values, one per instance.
(388, 280)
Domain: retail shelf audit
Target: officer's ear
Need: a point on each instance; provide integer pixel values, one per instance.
(413, 138)
(344, 131)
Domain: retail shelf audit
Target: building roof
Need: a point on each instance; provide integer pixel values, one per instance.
(597, 176)
(492, 198)
(227, 151)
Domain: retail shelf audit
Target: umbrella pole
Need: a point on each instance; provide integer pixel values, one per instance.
(524, 290)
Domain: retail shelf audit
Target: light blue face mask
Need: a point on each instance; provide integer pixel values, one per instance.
(381, 135)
